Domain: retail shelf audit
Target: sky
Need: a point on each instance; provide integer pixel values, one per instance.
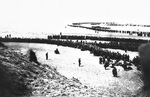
(51, 16)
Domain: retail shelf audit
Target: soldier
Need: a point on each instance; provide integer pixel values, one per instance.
(103, 59)
(100, 60)
(57, 51)
(124, 65)
(106, 64)
(114, 71)
(47, 56)
(79, 60)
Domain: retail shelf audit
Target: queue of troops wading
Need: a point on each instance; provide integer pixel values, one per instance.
(107, 63)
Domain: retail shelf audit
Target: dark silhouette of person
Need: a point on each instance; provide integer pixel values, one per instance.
(47, 56)
(114, 71)
(103, 59)
(125, 65)
(106, 64)
(113, 64)
(100, 60)
(57, 51)
(79, 60)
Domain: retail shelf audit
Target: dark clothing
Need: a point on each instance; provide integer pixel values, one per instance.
(56, 51)
(106, 64)
(46, 56)
(79, 62)
(114, 72)
(100, 60)
(103, 60)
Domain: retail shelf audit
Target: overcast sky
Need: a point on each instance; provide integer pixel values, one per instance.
(52, 15)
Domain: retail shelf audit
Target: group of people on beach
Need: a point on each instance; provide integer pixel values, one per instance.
(107, 62)
(144, 58)
(102, 60)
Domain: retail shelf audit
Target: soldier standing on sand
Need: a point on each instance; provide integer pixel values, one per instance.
(47, 56)
(114, 71)
(100, 60)
(106, 64)
(79, 60)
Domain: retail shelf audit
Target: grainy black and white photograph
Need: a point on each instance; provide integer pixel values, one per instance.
(74, 48)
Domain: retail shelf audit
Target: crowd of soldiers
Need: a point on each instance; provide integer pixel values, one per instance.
(127, 46)
(107, 62)
(94, 47)
(96, 50)
(138, 33)
(114, 43)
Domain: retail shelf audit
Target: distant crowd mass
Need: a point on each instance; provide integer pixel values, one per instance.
(96, 49)
(106, 57)
(105, 29)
